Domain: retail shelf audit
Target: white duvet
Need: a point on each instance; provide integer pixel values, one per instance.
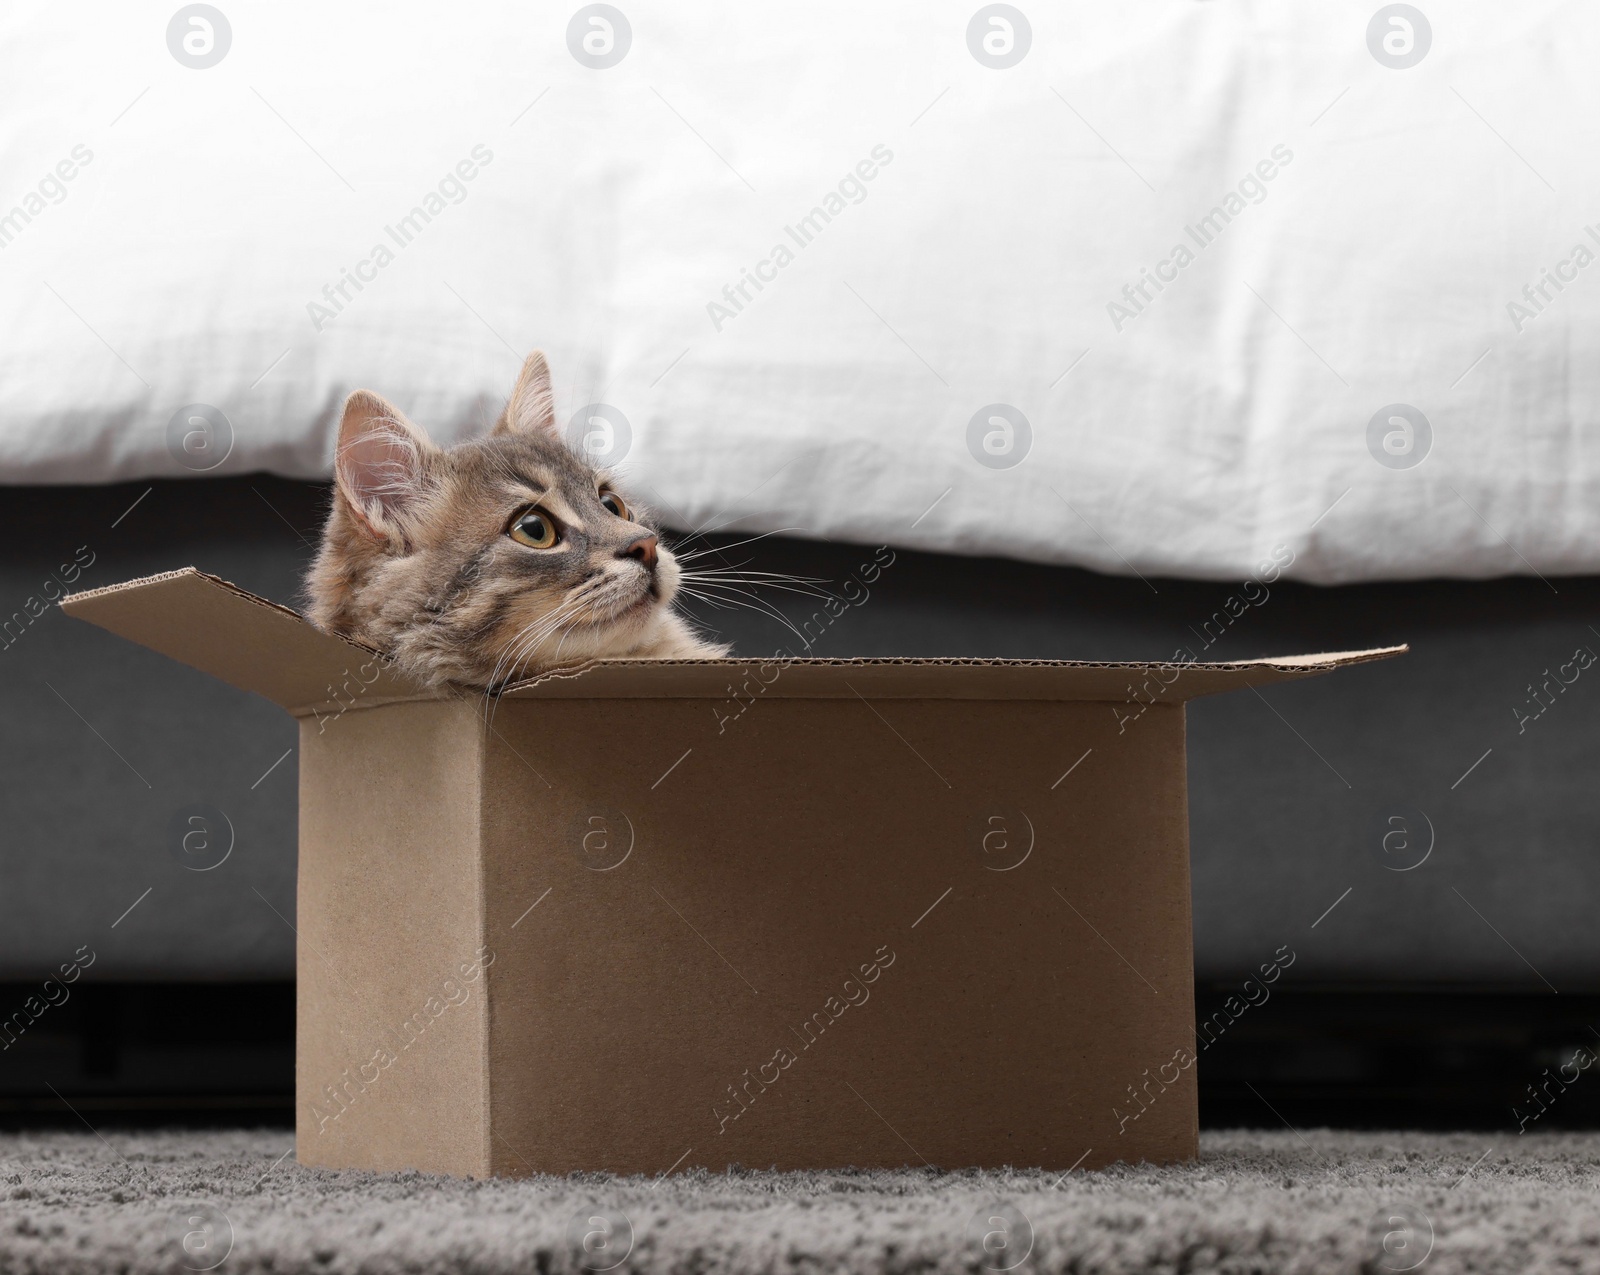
(1145, 287)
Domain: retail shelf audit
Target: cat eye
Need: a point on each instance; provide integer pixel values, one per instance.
(612, 502)
(534, 529)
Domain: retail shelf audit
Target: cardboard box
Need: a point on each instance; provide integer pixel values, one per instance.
(650, 915)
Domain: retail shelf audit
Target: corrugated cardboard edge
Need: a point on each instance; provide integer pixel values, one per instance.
(215, 626)
(1323, 662)
(161, 577)
(810, 677)
(737, 681)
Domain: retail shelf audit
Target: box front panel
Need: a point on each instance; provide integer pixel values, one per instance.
(828, 932)
(392, 1012)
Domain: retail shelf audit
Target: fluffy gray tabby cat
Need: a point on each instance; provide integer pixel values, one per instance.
(493, 560)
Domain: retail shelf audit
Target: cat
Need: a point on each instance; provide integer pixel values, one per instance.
(494, 560)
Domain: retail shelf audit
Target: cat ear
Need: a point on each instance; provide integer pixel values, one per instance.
(532, 409)
(379, 465)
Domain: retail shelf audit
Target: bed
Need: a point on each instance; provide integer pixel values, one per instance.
(1161, 296)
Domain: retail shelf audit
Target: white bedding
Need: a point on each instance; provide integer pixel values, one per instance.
(607, 210)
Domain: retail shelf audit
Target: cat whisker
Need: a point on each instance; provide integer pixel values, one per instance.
(495, 682)
(742, 573)
(521, 648)
(720, 604)
(744, 587)
(527, 642)
(494, 693)
(751, 603)
(741, 567)
(803, 589)
(751, 577)
(530, 633)
(711, 548)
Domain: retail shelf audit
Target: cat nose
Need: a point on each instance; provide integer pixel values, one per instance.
(642, 550)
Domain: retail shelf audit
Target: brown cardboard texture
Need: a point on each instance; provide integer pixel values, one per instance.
(651, 915)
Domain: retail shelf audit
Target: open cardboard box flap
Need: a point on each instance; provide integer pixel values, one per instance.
(256, 645)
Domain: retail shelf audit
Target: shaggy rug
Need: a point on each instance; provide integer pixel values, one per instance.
(1318, 1201)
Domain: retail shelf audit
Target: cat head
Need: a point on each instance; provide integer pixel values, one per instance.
(494, 559)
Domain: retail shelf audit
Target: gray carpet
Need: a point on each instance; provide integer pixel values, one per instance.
(1317, 1201)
